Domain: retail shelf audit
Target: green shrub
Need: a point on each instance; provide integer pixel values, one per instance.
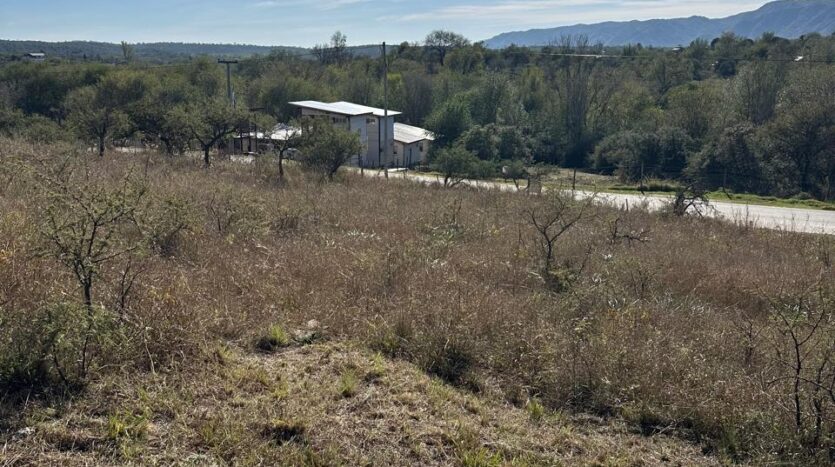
(348, 383)
(275, 339)
(165, 222)
(61, 344)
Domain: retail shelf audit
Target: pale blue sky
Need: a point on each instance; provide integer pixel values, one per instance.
(304, 23)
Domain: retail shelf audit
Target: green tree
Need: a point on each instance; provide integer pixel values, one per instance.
(802, 136)
(756, 89)
(94, 120)
(325, 148)
(450, 121)
(455, 164)
(128, 52)
(731, 162)
(207, 121)
(482, 141)
(441, 42)
(98, 113)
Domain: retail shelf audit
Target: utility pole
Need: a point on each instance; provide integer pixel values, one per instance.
(386, 102)
(229, 64)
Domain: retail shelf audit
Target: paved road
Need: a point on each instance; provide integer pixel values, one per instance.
(770, 217)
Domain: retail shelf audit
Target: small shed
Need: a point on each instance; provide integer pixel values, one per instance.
(411, 145)
(259, 142)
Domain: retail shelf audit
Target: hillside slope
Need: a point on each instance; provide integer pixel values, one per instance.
(786, 18)
(294, 408)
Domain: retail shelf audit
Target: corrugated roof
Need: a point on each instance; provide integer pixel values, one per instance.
(280, 133)
(408, 134)
(344, 108)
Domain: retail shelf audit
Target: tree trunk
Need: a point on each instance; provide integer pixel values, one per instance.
(101, 147)
(281, 165)
(206, 160)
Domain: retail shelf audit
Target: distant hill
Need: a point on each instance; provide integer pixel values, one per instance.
(785, 18)
(161, 51)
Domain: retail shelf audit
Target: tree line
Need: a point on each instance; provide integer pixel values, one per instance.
(754, 116)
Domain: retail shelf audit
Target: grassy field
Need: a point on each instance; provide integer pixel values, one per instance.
(152, 311)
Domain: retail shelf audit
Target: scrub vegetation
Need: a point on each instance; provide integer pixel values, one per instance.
(155, 311)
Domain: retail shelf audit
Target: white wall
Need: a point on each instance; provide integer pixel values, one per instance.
(410, 154)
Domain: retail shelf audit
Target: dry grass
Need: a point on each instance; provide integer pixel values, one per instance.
(675, 335)
(286, 409)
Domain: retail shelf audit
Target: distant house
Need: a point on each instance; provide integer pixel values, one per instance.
(375, 128)
(411, 145)
(260, 142)
(35, 57)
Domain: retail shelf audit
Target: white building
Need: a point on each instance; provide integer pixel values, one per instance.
(35, 57)
(411, 145)
(375, 127)
(260, 142)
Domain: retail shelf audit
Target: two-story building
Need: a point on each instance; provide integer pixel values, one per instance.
(375, 128)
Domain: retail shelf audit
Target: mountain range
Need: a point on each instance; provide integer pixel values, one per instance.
(785, 18)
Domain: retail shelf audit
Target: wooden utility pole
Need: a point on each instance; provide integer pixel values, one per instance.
(229, 64)
(386, 104)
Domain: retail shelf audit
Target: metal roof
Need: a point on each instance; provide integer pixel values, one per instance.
(344, 108)
(280, 133)
(408, 134)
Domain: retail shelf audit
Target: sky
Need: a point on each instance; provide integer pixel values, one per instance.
(305, 23)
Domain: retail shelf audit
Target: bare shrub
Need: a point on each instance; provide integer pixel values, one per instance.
(551, 219)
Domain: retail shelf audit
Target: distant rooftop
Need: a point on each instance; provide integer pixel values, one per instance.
(281, 132)
(344, 108)
(408, 134)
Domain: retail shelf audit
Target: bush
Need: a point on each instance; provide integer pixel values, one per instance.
(60, 345)
(275, 339)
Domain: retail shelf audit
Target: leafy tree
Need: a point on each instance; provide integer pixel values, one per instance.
(128, 52)
(731, 162)
(450, 121)
(482, 141)
(153, 114)
(325, 147)
(336, 52)
(513, 144)
(757, 88)
(412, 93)
(99, 112)
(487, 99)
(583, 99)
(441, 42)
(95, 120)
(515, 171)
(292, 138)
(698, 108)
(636, 155)
(207, 121)
(803, 131)
(466, 60)
(455, 164)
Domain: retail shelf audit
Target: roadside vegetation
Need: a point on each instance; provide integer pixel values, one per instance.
(155, 311)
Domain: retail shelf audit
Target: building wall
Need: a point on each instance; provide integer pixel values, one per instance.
(411, 155)
(388, 140)
(366, 127)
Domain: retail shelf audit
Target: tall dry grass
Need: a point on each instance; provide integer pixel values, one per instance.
(687, 329)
